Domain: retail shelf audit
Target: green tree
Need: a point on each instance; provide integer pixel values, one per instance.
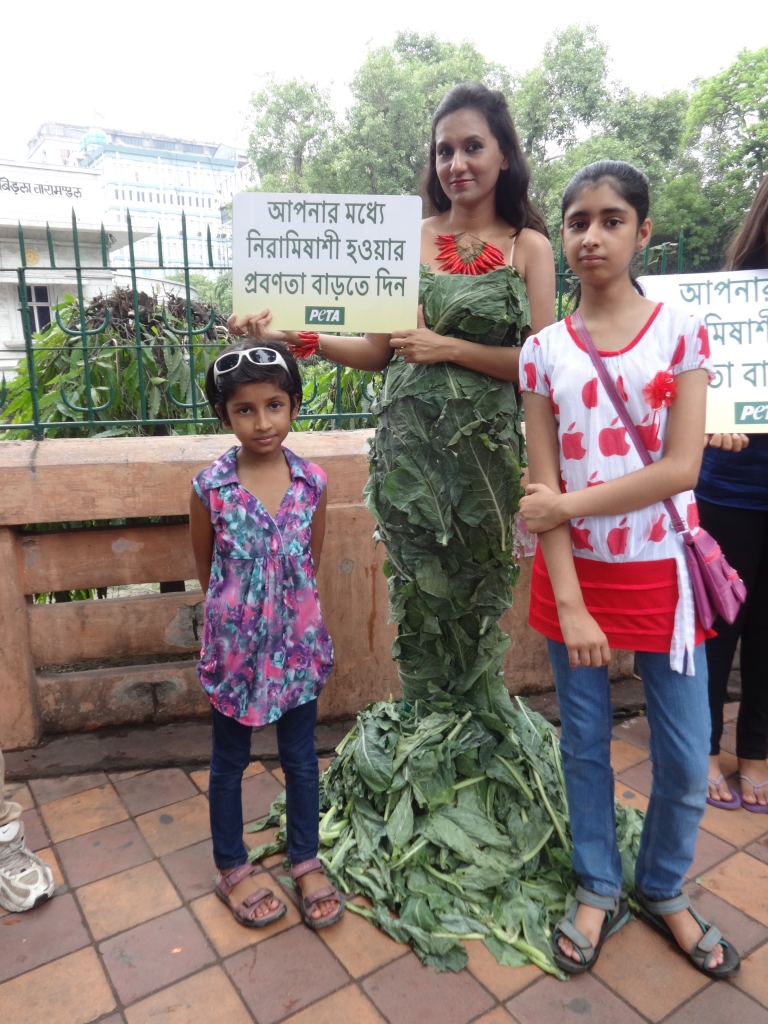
(217, 293)
(292, 122)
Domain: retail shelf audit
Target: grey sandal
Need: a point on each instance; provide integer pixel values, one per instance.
(328, 892)
(616, 915)
(652, 911)
(245, 912)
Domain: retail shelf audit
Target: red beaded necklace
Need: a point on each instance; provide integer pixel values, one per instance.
(474, 260)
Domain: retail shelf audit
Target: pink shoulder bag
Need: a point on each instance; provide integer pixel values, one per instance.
(717, 588)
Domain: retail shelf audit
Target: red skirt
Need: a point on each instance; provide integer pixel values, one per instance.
(633, 602)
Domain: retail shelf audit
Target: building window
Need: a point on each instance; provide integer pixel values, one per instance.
(130, 195)
(123, 193)
(39, 307)
(209, 204)
(117, 194)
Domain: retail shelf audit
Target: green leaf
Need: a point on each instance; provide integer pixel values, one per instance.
(400, 823)
(371, 757)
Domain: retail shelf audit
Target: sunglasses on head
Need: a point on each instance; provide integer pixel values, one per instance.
(230, 361)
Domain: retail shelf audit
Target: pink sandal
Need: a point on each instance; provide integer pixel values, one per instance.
(328, 892)
(245, 912)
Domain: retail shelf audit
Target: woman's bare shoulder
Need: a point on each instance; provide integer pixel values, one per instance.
(533, 243)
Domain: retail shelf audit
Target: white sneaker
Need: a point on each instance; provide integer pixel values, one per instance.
(25, 880)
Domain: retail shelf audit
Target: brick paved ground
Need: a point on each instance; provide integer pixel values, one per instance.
(135, 935)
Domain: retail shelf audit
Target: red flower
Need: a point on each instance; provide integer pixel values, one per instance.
(661, 392)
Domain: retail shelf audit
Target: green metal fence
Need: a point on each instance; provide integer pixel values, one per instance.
(88, 374)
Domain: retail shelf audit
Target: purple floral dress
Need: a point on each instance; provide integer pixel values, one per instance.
(265, 647)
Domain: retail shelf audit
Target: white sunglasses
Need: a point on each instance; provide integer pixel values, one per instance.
(230, 361)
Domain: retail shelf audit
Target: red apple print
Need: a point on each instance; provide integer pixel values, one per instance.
(621, 389)
(649, 434)
(617, 538)
(592, 482)
(537, 342)
(612, 441)
(658, 530)
(555, 406)
(530, 376)
(692, 515)
(563, 483)
(679, 352)
(589, 393)
(704, 339)
(580, 538)
(546, 380)
(571, 442)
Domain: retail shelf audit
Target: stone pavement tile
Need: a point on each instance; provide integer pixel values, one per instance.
(306, 970)
(647, 971)
(201, 778)
(72, 990)
(638, 778)
(741, 930)
(129, 898)
(106, 851)
(20, 794)
(279, 775)
(151, 790)
(728, 739)
(82, 812)
(497, 1016)
(46, 790)
(155, 954)
(742, 881)
(258, 793)
(34, 833)
(121, 776)
(114, 1018)
(266, 835)
(47, 854)
(719, 1004)
(625, 755)
(224, 931)
(629, 797)
(205, 998)
(633, 730)
(35, 937)
(738, 827)
(360, 945)
(323, 763)
(731, 711)
(502, 981)
(759, 849)
(192, 869)
(581, 1000)
(178, 825)
(407, 992)
(752, 976)
(709, 851)
(347, 1006)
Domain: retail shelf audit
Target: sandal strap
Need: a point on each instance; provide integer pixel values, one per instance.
(327, 892)
(754, 785)
(716, 781)
(226, 883)
(610, 904)
(710, 939)
(306, 867)
(569, 929)
(670, 906)
(256, 897)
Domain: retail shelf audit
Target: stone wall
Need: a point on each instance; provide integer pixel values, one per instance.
(86, 664)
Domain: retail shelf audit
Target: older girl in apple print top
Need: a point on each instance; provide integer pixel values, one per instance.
(610, 570)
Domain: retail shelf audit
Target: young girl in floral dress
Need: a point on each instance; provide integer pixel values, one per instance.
(610, 571)
(257, 518)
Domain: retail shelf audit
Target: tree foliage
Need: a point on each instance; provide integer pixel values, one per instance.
(703, 150)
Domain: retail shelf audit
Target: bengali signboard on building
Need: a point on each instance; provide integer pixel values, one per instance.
(734, 306)
(327, 263)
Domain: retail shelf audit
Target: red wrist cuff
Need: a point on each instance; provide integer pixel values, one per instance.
(307, 346)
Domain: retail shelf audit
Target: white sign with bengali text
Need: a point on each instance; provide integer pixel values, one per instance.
(333, 264)
(734, 307)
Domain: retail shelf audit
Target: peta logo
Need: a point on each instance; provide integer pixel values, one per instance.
(751, 412)
(324, 315)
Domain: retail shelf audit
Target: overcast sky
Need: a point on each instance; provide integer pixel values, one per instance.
(188, 68)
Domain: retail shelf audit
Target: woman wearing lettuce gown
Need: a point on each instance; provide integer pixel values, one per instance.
(449, 807)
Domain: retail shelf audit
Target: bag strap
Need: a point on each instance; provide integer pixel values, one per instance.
(618, 403)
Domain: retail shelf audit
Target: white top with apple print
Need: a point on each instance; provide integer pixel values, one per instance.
(594, 446)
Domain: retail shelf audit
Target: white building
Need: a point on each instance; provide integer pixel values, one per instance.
(156, 178)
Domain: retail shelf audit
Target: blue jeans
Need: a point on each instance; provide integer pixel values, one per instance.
(231, 755)
(678, 715)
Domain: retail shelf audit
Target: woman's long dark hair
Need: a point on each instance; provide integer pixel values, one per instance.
(512, 202)
(749, 249)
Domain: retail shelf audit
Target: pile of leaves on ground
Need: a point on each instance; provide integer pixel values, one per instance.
(456, 822)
